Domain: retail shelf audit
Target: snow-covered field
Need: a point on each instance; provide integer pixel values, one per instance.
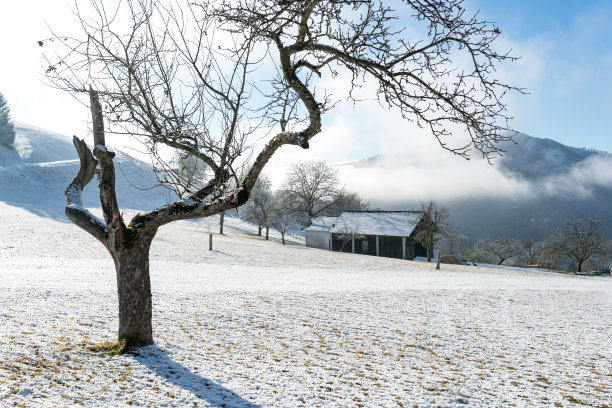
(258, 324)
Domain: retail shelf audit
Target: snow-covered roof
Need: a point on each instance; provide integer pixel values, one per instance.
(389, 223)
(321, 224)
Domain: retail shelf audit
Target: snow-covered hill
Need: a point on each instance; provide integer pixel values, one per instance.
(36, 172)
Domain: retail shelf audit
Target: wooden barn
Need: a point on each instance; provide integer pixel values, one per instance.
(379, 233)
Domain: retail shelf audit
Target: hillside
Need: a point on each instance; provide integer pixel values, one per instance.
(36, 172)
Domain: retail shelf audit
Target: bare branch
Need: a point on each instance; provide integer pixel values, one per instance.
(75, 210)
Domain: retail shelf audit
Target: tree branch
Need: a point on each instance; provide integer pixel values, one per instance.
(108, 197)
(75, 210)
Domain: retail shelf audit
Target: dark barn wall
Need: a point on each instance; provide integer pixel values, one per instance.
(420, 250)
(366, 245)
(390, 247)
(337, 244)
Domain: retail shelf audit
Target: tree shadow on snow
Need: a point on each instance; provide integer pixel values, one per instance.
(54, 210)
(160, 363)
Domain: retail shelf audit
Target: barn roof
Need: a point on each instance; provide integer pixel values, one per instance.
(321, 224)
(389, 223)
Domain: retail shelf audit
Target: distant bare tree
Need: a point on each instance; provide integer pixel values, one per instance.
(347, 235)
(282, 219)
(502, 248)
(312, 188)
(260, 206)
(546, 256)
(452, 242)
(346, 201)
(433, 226)
(579, 240)
(528, 257)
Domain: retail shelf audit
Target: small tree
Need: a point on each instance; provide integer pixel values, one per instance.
(433, 226)
(346, 201)
(546, 256)
(260, 205)
(502, 248)
(579, 240)
(281, 218)
(453, 242)
(346, 235)
(312, 188)
(7, 131)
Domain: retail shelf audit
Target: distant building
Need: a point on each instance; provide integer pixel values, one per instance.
(381, 233)
(317, 234)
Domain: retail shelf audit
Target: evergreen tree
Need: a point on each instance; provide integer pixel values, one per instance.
(7, 133)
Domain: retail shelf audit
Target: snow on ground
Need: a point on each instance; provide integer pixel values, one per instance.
(254, 323)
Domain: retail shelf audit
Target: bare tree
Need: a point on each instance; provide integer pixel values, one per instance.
(346, 235)
(346, 201)
(165, 76)
(433, 226)
(579, 240)
(312, 188)
(422, 78)
(259, 208)
(282, 219)
(545, 256)
(502, 248)
(452, 242)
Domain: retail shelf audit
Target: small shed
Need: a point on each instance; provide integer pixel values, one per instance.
(317, 233)
(380, 233)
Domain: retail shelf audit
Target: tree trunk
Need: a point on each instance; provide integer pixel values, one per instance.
(221, 221)
(430, 248)
(283, 237)
(267, 232)
(501, 261)
(579, 266)
(259, 230)
(344, 242)
(134, 292)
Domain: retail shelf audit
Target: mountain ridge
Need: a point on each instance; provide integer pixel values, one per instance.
(531, 189)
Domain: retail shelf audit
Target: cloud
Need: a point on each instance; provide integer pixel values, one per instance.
(425, 173)
(582, 180)
(428, 172)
